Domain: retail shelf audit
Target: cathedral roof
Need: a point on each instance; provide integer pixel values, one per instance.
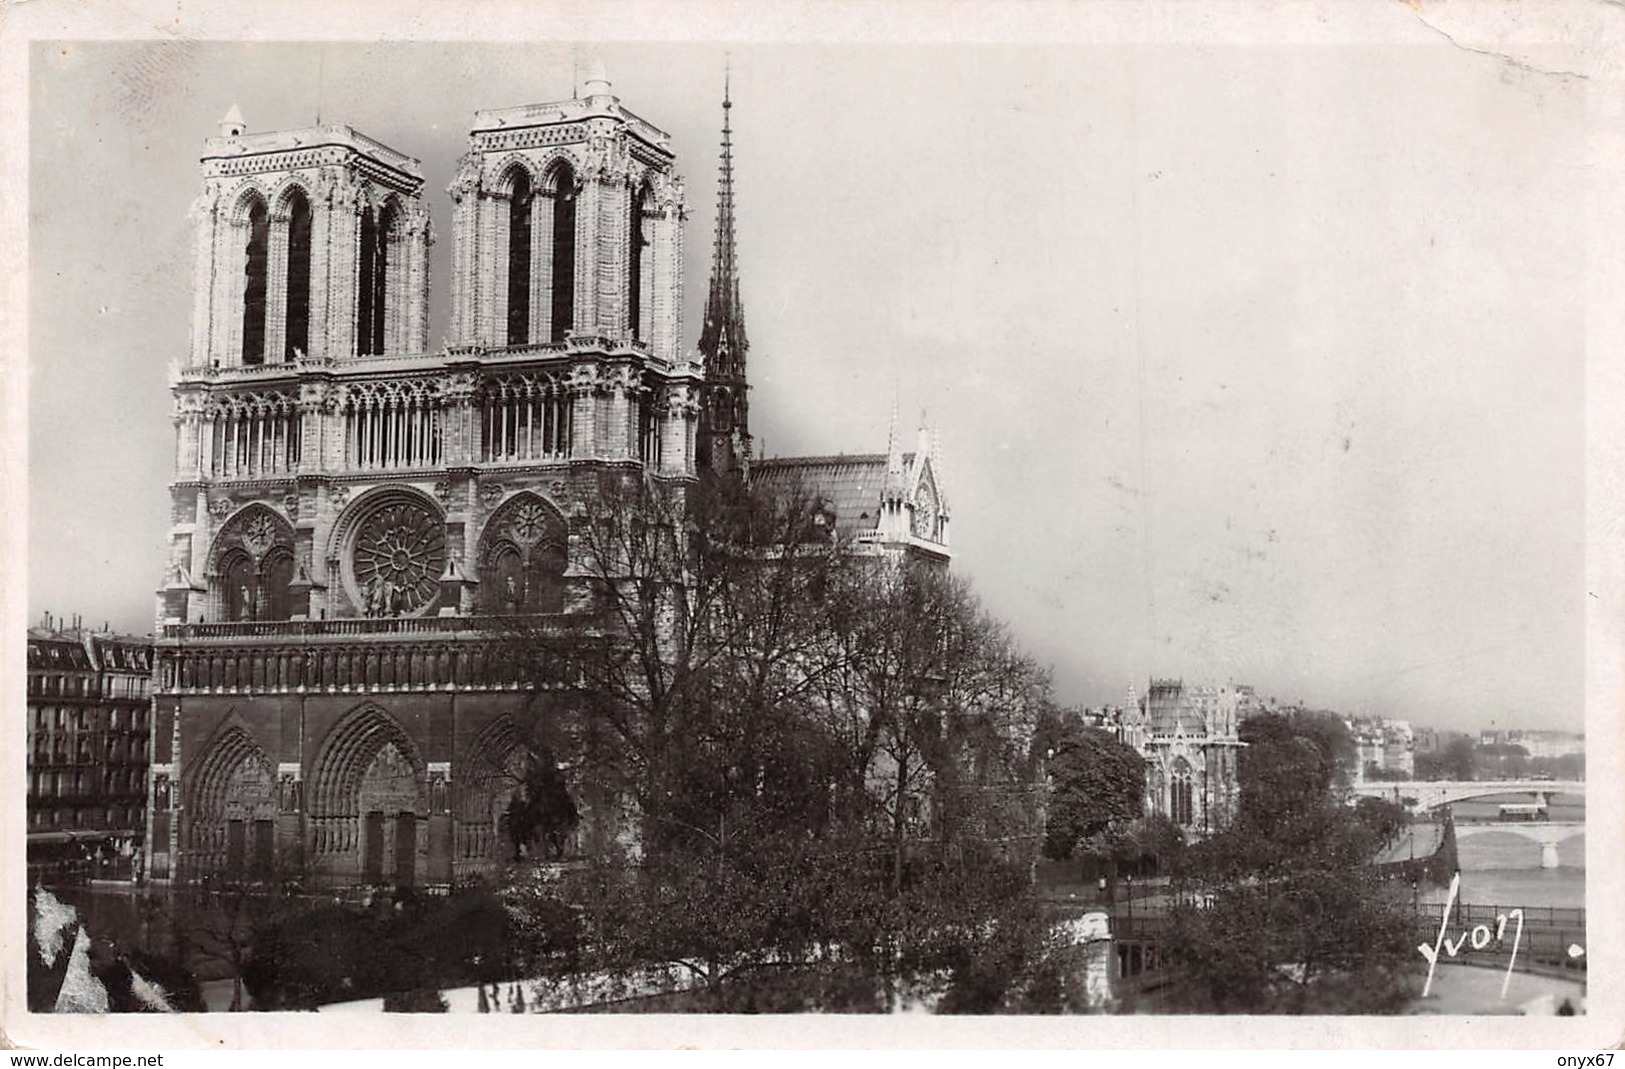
(1171, 710)
(850, 485)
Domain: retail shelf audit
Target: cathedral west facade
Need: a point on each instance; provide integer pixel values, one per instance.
(350, 508)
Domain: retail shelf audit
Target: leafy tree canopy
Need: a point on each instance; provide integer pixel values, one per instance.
(1098, 789)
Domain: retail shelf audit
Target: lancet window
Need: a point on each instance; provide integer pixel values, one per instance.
(560, 191)
(296, 339)
(379, 240)
(393, 424)
(254, 435)
(648, 428)
(255, 257)
(525, 417)
(519, 238)
(639, 278)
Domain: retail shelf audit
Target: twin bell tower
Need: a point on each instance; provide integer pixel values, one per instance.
(310, 403)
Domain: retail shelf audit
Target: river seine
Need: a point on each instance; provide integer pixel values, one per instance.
(1503, 868)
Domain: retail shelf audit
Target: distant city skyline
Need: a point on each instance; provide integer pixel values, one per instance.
(1247, 368)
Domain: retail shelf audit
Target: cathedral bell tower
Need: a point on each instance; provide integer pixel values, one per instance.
(329, 464)
(312, 254)
(725, 443)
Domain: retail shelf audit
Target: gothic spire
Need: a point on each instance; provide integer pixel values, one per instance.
(724, 432)
(895, 488)
(722, 339)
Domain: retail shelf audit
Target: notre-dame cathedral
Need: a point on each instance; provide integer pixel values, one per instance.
(349, 504)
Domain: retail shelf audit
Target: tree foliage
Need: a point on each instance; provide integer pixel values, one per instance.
(1291, 917)
(1455, 761)
(1288, 767)
(1098, 792)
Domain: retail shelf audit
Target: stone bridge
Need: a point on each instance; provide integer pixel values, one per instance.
(1432, 794)
(1547, 833)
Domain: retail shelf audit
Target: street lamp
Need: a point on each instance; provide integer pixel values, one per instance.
(1129, 879)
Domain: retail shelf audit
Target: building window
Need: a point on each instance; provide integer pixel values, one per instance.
(254, 277)
(649, 427)
(377, 237)
(519, 234)
(638, 275)
(1181, 809)
(562, 259)
(297, 337)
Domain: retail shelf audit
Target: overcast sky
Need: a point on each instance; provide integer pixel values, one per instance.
(1252, 363)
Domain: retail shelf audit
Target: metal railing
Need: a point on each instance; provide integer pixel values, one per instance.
(1469, 914)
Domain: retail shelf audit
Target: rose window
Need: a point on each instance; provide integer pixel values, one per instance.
(259, 532)
(925, 514)
(399, 556)
(529, 523)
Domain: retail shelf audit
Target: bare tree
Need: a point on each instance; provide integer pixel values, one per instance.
(780, 710)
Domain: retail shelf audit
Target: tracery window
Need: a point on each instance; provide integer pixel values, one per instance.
(523, 554)
(254, 280)
(525, 417)
(254, 566)
(396, 556)
(1181, 808)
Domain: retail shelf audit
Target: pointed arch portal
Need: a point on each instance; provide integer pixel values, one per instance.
(230, 807)
(367, 811)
